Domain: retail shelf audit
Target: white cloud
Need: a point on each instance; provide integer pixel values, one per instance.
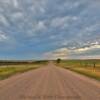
(6, 1)
(65, 53)
(17, 15)
(3, 20)
(59, 53)
(63, 22)
(39, 26)
(15, 3)
(3, 37)
(42, 10)
(67, 23)
(93, 27)
(59, 21)
(38, 6)
(97, 46)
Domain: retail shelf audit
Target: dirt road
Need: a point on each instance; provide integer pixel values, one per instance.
(49, 83)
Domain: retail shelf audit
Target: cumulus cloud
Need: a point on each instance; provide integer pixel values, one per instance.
(73, 26)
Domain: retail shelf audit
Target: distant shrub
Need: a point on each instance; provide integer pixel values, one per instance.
(58, 60)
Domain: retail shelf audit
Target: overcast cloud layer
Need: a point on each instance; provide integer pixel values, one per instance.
(41, 29)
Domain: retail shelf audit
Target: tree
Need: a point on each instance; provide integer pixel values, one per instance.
(58, 60)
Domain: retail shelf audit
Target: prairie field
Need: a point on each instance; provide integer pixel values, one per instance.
(89, 68)
(7, 70)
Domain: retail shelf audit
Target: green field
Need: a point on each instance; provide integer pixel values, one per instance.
(89, 68)
(9, 70)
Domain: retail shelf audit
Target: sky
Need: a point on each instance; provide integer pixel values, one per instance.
(49, 29)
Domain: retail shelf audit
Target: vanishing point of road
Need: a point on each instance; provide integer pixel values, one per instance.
(49, 83)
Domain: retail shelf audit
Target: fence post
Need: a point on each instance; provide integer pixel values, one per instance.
(94, 65)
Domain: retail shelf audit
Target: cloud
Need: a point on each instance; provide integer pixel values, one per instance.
(3, 37)
(59, 53)
(65, 53)
(15, 3)
(84, 49)
(57, 28)
(3, 20)
(40, 26)
(62, 22)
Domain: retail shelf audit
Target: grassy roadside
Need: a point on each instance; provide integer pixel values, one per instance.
(7, 71)
(87, 70)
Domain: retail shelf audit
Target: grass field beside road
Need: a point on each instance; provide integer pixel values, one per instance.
(90, 68)
(9, 70)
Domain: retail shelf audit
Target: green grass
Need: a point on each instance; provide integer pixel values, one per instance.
(85, 67)
(7, 71)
